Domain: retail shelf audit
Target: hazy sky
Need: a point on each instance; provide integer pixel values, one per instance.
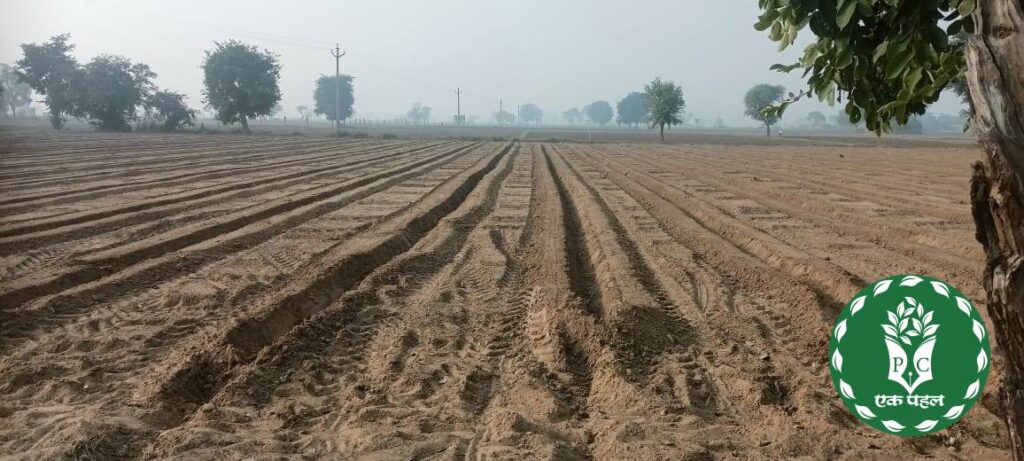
(556, 54)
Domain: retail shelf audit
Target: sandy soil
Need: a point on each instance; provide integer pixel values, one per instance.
(225, 297)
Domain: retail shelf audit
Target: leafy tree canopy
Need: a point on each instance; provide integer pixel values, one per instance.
(241, 82)
(323, 97)
(50, 70)
(530, 113)
(665, 102)
(888, 58)
(419, 113)
(632, 108)
(573, 115)
(599, 112)
(112, 90)
(169, 110)
(13, 91)
(761, 97)
(504, 117)
(816, 118)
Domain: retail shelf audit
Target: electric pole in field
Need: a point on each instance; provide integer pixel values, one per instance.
(458, 106)
(337, 53)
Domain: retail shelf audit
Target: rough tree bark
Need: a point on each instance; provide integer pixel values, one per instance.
(995, 75)
(245, 124)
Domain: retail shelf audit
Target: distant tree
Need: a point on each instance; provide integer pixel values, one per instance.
(665, 103)
(13, 91)
(632, 108)
(51, 71)
(843, 122)
(305, 113)
(573, 115)
(323, 97)
(599, 112)
(505, 117)
(112, 91)
(169, 109)
(530, 113)
(816, 118)
(913, 126)
(759, 99)
(419, 114)
(241, 82)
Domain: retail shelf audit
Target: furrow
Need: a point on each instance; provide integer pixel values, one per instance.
(66, 195)
(223, 242)
(154, 326)
(181, 212)
(151, 162)
(828, 279)
(197, 378)
(87, 216)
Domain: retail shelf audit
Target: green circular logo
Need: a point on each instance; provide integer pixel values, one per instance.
(909, 355)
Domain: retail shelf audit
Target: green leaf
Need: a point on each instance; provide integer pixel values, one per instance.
(787, 38)
(938, 38)
(844, 58)
(846, 11)
(912, 78)
(966, 7)
(853, 112)
(864, 8)
(897, 64)
(928, 55)
(782, 109)
(766, 20)
(784, 67)
(879, 51)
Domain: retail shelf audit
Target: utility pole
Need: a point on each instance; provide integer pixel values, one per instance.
(337, 53)
(458, 106)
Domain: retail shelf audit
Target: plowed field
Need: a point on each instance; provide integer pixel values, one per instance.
(232, 297)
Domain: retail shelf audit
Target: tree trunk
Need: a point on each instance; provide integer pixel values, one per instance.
(995, 75)
(662, 132)
(768, 130)
(245, 124)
